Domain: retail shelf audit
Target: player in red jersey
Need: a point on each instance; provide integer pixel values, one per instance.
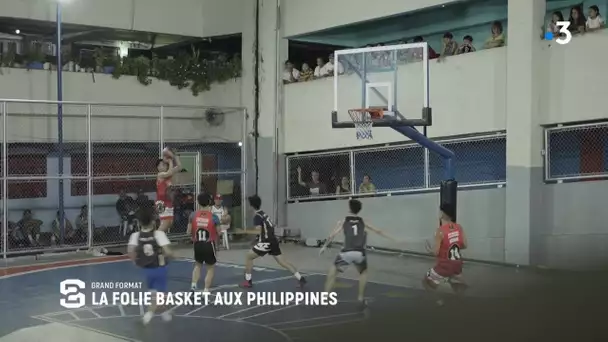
(202, 227)
(167, 167)
(450, 240)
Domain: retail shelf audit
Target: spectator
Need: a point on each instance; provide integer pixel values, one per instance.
(552, 27)
(82, 223)
(467, 45)
(307, 73)
(223, 215)
(367, 186)
(126, 207)
(290, 74)
(497, 39)
(417, 53)
(68, 231)
(319, 68)
(315, 186)
(15, 236)
(30, 227)
(344, 186)
(141, 200)
(577, 20)
(595, 20)
(450, 47)
(328, 68)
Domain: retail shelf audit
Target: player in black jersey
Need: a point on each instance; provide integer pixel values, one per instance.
(267, 243)
(353, 252)
(149, 249)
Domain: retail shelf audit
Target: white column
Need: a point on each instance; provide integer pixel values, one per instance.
(272, 52)
(525, 73)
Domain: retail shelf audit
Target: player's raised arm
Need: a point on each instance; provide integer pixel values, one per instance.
(331, 236)
(379, 232)
(174, 164)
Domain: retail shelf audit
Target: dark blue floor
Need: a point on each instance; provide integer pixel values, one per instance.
(37, 294)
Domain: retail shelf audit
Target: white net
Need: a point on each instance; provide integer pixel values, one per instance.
(363, 123)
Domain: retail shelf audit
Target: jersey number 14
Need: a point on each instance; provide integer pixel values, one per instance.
(454, 253)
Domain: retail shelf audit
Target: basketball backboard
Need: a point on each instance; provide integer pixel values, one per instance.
(394, 78)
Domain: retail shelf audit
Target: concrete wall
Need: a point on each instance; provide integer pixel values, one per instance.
(468, 94)
(37, 122)
(196, 18)
(297, 14)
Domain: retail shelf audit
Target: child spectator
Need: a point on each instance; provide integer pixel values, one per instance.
(467, 45)
(497, 39)
(450, 47)
(577, 20)
(319, 67)
(595, 20)
(552, 27)
(306, 74)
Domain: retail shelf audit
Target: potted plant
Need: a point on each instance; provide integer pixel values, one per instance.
(8, 57)
(34, 57)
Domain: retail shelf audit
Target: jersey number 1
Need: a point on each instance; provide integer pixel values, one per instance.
(355, 230)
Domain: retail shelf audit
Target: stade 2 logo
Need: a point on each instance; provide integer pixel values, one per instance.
(564, 34)
(73, 298)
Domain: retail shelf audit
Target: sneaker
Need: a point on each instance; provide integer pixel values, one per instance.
(363, 304)
(147, 317)
(302, 282)
(247, 284)
(193, 289)
(166, 316)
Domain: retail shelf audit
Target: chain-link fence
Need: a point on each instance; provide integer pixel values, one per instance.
(576, 152)
(75, 174)
(479, 161)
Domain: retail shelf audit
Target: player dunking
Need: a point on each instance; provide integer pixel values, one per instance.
(353, 252)
(167, 167)
(149, 249)
(202, 227)
(267, 243)
(450, 240)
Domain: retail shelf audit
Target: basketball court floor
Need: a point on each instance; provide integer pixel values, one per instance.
(31, 311)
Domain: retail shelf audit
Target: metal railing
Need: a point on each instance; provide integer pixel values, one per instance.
(576, 152)
(398, 169)
(107, 150)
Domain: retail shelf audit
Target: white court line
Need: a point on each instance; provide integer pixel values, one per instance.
(239, 311)
(195, 310)
(314, 319)
(76, 318)
(141, 309)
(267, 312)
(122, 311)
(59, 267)
(324, 324)
(124, 338)
(94, 313)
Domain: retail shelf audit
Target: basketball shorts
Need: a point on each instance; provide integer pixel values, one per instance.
(270, 247)
(356, 258)
(156, 278)
(445, 273)
(166, 214)
(204, 253)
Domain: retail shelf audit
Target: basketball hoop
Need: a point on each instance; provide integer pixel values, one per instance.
(363, 119)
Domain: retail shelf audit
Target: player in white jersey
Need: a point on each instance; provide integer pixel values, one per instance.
(219, 210)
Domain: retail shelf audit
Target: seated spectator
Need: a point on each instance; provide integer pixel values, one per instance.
(497, 39)
(367, 186)
(223, 215)
(141, 200)
(577, 20)
(328, 68)
(417, 53)
(467, 45)
(290, 74)
(82, 223)
(69, 234)
(319, 68)
(30, 227)
(594, 21)
(450, 47)
(552, 26)
(315, 186)
(15, 236)
(126, 207)
(307, 74)
(344, 187)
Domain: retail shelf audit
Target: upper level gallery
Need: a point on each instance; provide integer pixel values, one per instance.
(191, 18)
(468, 94)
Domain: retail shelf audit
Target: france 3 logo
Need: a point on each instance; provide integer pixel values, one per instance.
(564, 35)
